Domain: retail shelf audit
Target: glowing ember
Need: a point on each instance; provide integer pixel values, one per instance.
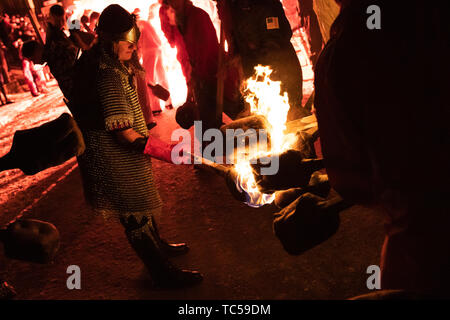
(265, 99)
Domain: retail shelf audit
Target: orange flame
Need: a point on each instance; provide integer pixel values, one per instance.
(265, 99)
(175, 78)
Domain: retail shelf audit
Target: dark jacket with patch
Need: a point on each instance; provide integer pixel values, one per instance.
(262, 35)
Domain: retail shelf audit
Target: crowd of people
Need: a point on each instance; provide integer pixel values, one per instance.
(15, 31)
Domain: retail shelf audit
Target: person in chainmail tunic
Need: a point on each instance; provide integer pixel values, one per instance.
(117, 180)
(117, 176)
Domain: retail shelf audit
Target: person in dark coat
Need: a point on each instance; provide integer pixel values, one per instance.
(262, 35)
(381, 149)
(60, 52)
(382, 106)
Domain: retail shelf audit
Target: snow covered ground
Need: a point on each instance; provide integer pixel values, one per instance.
(26, 112)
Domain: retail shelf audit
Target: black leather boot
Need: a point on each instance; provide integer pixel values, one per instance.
(164, 274)
(171, 249)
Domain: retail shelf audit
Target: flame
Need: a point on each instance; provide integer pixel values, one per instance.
(265, 99)
(172, 67)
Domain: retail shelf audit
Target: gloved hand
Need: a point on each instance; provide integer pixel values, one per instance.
(159, 91)
(186, 114)
(307, 222)
(171, 153)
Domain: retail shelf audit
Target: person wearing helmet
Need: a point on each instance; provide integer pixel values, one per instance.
(117, 176)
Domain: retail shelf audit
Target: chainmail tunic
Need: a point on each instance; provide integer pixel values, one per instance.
(117, 181)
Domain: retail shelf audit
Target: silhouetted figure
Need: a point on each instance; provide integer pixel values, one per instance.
(60, 52)
(380, 148)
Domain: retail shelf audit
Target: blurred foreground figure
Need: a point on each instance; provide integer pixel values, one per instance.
(117, 175)
(382, 100)
(152, 57)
